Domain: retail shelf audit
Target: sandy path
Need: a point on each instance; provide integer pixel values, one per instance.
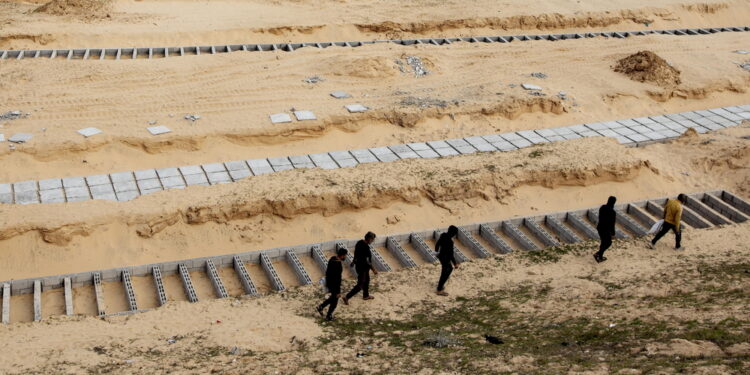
(302, 207)
(226, 22)
(235, 93)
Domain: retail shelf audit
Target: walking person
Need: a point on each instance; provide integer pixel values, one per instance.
(606, 228)
(362, 263)
(672, 217)
(333, 283)
(444, 249)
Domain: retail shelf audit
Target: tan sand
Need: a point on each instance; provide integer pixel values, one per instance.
(235, 93)
(184, 22)
(231, 281)
(145, 292)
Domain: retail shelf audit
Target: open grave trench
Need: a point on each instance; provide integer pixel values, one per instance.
(163, 52)
(136, 289)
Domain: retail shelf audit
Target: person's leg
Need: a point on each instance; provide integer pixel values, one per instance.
(445, 272)
(358, 287)
(677, 238)
(366, 284)
(334, 301)
(666, 227)
(605, 243)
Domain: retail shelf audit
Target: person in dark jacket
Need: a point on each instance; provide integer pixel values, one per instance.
(444, 249)
(362, 263)
(333, 283)
(606, 228)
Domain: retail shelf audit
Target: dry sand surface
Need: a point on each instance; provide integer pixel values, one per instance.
(557, 312)
(188, 22)
(470, 90)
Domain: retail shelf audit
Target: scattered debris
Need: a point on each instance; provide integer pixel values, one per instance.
(340, 95)
(89, 132)
(440, 340)
(236, 351)
(355, 108)
(512, 85)
(304, 115)
(192, 118)
(539, 75)
(152, 122)
(156, 130)
(493, 340)
(412, 101)
(745, 66)
(280, 118)
(20, 138)
(536, 93)
(360, 355)
(13, 115)
(742, 52)
(562, 95)
(313, 79)
(529, 86)
(412, 64)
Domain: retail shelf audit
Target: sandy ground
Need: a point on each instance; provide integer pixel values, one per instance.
(643, 311)
(470, 90)
(155, 23)
(306, 206)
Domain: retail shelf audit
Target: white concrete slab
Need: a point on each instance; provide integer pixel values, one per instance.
(280, 118)
(89, 132)
(157, 130)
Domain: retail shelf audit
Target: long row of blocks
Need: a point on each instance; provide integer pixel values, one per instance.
(163, 52)
(124, 186)
(702, 210)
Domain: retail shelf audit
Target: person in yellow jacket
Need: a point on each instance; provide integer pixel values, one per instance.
(672, 217)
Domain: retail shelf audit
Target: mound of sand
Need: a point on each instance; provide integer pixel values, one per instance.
(646, 66)
(87, 8)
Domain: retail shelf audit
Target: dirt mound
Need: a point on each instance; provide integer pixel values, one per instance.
(87, 8)
(365, 67)
(646, 66)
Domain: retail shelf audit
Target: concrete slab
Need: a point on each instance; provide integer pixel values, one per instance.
(20, 138)
(340, 95)
(428, 154)
(445, 152)
(216, 178)
(196, 179)
(346, 163)
(101, 179)
(101, 190)
(127, 195)
(150, 184)
(158, 130)
(146, 174)
(25, 186)
(484, 147)
(6, 188)
(529, 86)
(27, 197)
(54, 183)
(321, 158)
(89, 132)
(214, 167)
(475, 141)
(356, 108)
(493, 138)
(240, 174)
(280, 118)
(69, 311)
(125, 186)
(6, 304)
(520, 143)
(510, 137)
(37, 301)
(259, 166)
(505, 146)
(52, 196)
(305, 115)
(173, 182)
(236, 165)
(419, 146)
(121, 177)
(6, 198)
(191, 169)
(167, 172)
(279, 161)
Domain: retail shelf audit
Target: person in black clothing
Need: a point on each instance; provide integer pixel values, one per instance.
(333, 283)
(606, 228)
(444, 249)
(362, 264)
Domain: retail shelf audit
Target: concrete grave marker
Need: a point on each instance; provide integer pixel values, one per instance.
(355, 108)
(156, 130)
(304, 115)
(528, 86)
(340, 95)
(89, 132)
(20, 138)
(280, 118)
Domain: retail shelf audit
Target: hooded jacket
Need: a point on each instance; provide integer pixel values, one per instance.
(607, 217)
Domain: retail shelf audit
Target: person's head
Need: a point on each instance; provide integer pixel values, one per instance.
(452, 231)
(682, 198)
(369, 237)
(341, 253)
(611, 201)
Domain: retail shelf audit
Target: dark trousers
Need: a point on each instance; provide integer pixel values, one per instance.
(363, 284)
(446, 268)
(666, 227)
(332, 301)
(606, 242)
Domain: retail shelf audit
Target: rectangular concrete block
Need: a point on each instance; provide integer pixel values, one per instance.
(99, 293)
(159, 285)
(561, 230)
(513, 232)
(496, 241)
(101, 179)
(127, 284)
(735, 202)
(187, 283)
(273, 276)
(394, 247)
(213, 275)
(469, 241)
(641, 215)
(196, 179)
(363, 156)
(68, 297)
(172, 182)
(316, 252)
(52, 196)
(6, 303)
(37, 300)
(421, 246)
(50, 184)
(724, 209)
(298, 268)
(626, 221)
(378, 262)
(27, 197)
(127, 195)
(537, 230)
(709, 214)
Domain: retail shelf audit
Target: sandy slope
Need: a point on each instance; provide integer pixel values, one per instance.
(663, 309)
(306, 206)
(235, 93)
(153, 23)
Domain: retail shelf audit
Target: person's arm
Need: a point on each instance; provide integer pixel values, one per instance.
(614, 220)
(677, 218)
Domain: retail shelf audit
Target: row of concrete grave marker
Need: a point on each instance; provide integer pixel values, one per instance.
(124, 186)
(163, 52)
(505, 236)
